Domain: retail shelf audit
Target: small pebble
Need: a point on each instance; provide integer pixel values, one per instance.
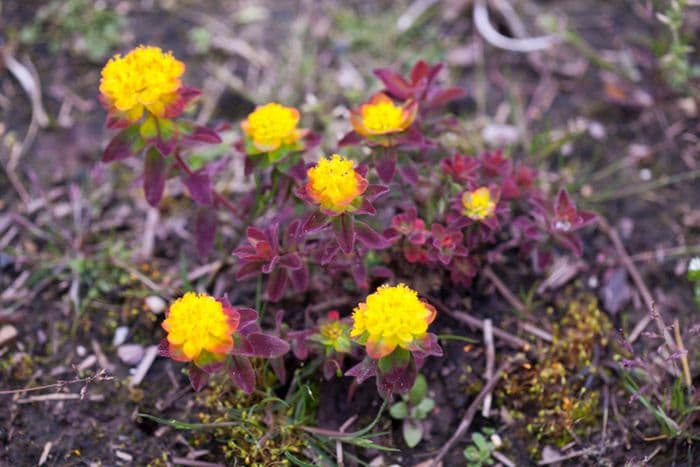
(124, 456)
(131, 354)
(155, 304)
(120, 335)
(596, 130)
(7, 334)
(81, 351)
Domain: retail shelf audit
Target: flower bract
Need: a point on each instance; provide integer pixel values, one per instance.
(381, 116)
(391, 317)
(200, 329)
(145, 78)
(272, 126)
(334, 184)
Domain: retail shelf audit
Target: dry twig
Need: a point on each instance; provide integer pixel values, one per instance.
(471, 411)
(482, 22)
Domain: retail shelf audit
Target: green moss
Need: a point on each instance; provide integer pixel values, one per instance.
(263, 435)
(550, 396)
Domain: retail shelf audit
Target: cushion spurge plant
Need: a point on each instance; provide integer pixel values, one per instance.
(145, 79)
(213, 335)
(310, 227)
(272, 129)
(392, 325)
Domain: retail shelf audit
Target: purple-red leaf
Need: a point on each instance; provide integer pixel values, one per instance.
(344, 232)
(395, 83)
(397, 380)
(276, 284)
(444, 96)
(350, 139)
(386, 166)
(363, 370)
(315, 222)
(198, 378)
(199, 186)
(125, 144)
(369, 237)
(241, 372)
(249, 270)
(267, 346)
(203, 134)
(291, 261)
(300, 278)
(154, 175)
(375, 191)
(204, 231)
(409, 173)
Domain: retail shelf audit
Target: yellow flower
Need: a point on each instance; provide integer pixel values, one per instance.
(271, 126)
(478, 204)
(200, 328)
(335, 184)
(391, 317)
(145, 78)
(380, 116)
(334, 333)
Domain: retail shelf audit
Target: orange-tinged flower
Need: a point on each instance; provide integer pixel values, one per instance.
(391, 317)
(381, 116)
(335, 184)
(272, 126)
(200, 328)
(145, 78)
(478, 204)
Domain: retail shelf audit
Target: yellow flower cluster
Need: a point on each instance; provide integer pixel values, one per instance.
(198, 323)
(335, 184)
(271, 126)
(145, 78)
(478, 204)
(381, 116)
(391, 317)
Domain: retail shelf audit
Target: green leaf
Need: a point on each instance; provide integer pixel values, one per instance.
(424, 407)
(479, 441)
(471, 454)
(166, 129)
(418, 391)
(399, 410)
(412, 433)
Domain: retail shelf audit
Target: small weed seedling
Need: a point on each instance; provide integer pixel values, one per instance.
(479, 452)
(412, 409)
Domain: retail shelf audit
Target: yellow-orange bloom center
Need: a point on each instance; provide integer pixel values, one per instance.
(146, 78)
(196, 323)
(383, 117)
(334, 183)
(272, 125)
(478, 204)
(391, 317)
